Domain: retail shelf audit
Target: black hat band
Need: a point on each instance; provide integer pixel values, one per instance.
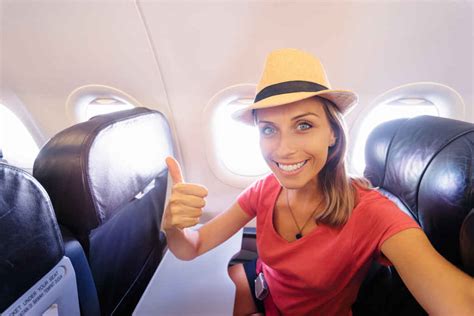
(289, 87)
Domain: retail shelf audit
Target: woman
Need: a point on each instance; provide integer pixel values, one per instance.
(317, 229)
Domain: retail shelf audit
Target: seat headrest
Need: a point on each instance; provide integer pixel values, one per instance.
(426, 162)
(376, 150)
(31, 242)
(92, 168)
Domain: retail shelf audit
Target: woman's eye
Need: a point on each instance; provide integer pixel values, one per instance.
(267, 130)
(304, 126)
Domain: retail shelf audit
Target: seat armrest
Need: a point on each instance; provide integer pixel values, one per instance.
(248, 251)
(88, 300)
(249, 241)
(250, 232)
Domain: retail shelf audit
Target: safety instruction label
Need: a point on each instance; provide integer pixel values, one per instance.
(36, 294)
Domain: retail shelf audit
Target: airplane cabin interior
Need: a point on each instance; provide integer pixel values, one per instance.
(95, 94)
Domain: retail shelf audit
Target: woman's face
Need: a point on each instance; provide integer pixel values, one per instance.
(294, 140)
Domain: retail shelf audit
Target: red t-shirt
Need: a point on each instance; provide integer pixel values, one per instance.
(320, 274)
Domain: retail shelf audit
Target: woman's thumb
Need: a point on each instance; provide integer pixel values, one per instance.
(174, 170)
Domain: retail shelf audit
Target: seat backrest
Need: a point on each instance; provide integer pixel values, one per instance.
(34, 273)
(425, 165)
(107, 180)
(1, 156)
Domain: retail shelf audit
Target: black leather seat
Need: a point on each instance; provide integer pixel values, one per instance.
(426, 166)
(107, 180)
(34, 273)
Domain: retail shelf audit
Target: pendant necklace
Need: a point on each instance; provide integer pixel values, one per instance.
(300, 230)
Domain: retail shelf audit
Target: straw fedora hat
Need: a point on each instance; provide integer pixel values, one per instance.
(292, 75)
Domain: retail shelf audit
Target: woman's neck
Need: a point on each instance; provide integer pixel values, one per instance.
(310, 194)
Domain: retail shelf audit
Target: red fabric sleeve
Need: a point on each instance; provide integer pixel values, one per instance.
(380, 219)
(392, 231)
(395, 221)
(248, 199)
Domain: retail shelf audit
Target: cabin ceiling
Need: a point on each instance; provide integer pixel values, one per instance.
(180, 53)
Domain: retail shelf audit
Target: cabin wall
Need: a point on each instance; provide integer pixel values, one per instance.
(50, 48)
(366, 47)
(175, 55)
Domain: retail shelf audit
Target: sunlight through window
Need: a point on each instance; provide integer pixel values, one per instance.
(401, 108)
(16, 142)
(237, 144)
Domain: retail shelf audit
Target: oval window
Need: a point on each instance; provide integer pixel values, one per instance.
(16, 142)
(233, 148)
(406, 101)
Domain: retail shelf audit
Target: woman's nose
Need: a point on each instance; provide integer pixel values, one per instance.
(286, 146)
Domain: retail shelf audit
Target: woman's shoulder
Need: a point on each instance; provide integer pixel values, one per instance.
(365, 194)
(370, 198)
(258, 193)
(266, 182)
(372, 203)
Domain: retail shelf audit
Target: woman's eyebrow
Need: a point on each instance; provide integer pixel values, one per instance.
(303, 115)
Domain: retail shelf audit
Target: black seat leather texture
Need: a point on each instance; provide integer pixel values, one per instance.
(107, 180)
(30, 240)
(426, 166)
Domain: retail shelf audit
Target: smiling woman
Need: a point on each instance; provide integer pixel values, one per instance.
(294, 139)
(297, 142)
(302, 140)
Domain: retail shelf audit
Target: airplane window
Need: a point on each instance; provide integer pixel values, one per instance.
(405, 101)
(91, 100)
(100, 106)
(237, 144)
(16, 142)
(232, 148)
(400, 108)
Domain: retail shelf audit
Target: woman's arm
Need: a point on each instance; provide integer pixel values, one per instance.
(187, 244)
(437, 285)
(184, 210)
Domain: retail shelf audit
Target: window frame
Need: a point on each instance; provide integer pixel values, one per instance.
(216, 165)
(81, 97)
(448, 102)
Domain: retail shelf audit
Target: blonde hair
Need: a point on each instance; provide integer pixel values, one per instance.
(338, 188)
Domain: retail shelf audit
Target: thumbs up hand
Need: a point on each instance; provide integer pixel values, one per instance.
(186, 201)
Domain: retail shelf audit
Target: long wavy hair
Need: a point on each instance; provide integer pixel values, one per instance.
(337, 186)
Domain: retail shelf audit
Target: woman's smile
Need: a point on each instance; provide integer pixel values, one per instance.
(291, 168)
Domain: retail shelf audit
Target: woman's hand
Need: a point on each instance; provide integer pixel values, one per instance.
(186, 202)
(184, 210)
